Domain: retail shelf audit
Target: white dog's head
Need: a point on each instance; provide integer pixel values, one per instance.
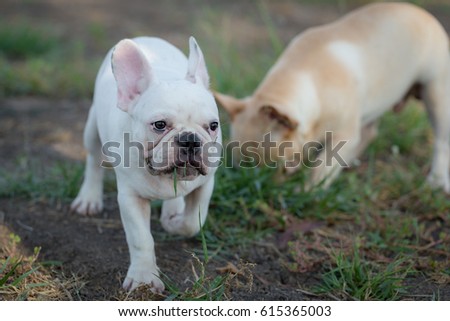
(176, 120)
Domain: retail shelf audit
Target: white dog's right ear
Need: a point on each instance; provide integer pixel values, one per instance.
(232, 106)
(132, 73)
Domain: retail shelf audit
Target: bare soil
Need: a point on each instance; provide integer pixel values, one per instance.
(49, 131)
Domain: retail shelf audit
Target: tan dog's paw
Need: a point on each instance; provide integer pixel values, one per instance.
(438, 181)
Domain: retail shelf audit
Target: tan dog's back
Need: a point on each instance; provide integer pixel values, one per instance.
(356, 47)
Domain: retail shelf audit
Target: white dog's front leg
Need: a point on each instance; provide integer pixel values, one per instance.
(186, 216)
(135, 213)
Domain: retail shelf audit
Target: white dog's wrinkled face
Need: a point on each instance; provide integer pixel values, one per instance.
(176, 121)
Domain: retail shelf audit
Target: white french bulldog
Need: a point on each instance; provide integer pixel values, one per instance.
(148, 90)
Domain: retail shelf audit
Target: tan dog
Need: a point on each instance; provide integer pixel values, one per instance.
(341, 78)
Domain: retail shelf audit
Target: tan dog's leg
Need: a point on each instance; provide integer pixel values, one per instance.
(332, 162)
(368, 133)
(437, 102)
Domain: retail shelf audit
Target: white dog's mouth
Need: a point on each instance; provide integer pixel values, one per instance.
(184, 171)
(182, 156)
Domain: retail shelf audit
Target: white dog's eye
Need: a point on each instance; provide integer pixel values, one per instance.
(213, 126)
(159, 125)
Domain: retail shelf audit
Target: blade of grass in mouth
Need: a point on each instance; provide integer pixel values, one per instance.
(175, 180)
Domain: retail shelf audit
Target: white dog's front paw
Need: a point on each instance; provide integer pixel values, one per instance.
(178, 224)
(143, 275)
(439, 181)
(87, 203)
(174, 220)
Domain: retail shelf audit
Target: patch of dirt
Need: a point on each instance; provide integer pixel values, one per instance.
(94, 249)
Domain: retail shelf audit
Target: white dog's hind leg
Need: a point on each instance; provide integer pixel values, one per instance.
(437, 102)
(135, 214)
(187, 222)
(90, 198)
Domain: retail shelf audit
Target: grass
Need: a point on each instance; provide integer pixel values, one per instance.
(27, 278)
(203, 287)
(36, 60)
(24, 41)
(375, 226)
(58, 182)
(358, 279)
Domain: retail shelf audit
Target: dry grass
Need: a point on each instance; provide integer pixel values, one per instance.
(22, 277)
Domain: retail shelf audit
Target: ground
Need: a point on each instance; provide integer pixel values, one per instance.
(274, 246)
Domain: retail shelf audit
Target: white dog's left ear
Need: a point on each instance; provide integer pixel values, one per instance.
(197, 71)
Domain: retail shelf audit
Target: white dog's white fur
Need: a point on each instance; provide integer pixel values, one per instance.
(341, 77)
(141, 82)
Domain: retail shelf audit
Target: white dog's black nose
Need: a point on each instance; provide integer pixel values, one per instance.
(189, 142)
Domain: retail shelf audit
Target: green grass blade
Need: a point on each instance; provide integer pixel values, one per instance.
(3, 268)
(5, 278)
(175, 181)
(23, 276)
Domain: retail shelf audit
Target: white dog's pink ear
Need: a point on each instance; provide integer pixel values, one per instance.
(132, 73)
(197, 71)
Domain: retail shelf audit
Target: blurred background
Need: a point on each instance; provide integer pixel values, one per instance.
(53, 47)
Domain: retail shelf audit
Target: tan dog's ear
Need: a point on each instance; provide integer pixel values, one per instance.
(274, 114)
(232, 106)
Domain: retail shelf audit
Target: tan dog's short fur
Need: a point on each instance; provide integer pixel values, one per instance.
(343, 76)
